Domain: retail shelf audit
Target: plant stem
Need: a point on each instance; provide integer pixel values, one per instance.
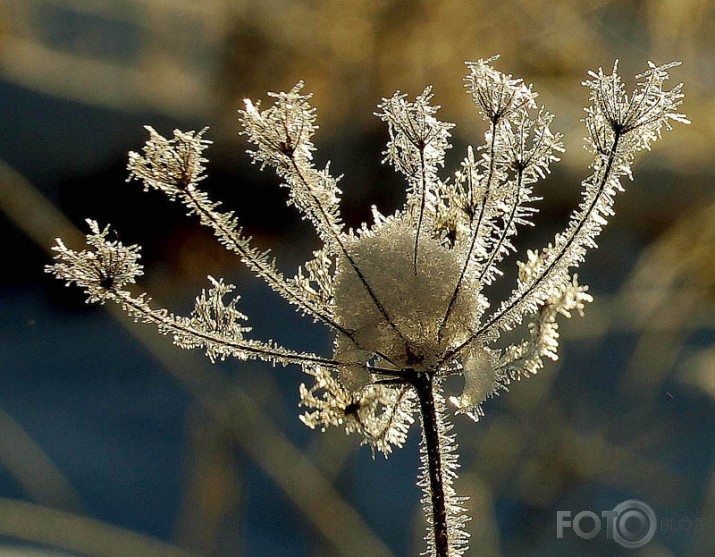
(423, 384)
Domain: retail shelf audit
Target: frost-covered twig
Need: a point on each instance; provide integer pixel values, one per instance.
(405, 294)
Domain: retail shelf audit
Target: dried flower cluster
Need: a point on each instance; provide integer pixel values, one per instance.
(405, 294)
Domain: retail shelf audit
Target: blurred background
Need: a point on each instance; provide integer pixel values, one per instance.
(112, 442)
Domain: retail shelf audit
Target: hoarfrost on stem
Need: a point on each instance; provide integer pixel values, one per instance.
(405, 294)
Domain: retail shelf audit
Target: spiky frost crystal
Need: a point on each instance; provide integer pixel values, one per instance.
(404, 295)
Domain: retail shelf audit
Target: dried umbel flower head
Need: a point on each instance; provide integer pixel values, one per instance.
(105, 266)
(404, 295)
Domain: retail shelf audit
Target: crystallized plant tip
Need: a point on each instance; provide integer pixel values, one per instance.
(404, 295)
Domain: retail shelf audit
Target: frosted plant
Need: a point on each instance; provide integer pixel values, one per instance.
(405, 294)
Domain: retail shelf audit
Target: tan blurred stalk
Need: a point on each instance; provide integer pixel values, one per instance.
(200, 59)
(32, 467)
(63, 530)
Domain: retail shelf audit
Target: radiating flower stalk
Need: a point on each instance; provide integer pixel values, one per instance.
(405, 294)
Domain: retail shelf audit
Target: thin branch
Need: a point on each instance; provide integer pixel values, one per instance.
(404, 390)
(475, 232)
(246, 348)
(338, 240)
(495, 252)
(423, 193)
(265, 271)
(499, 314)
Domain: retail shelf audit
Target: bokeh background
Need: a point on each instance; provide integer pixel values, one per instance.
(114, 443)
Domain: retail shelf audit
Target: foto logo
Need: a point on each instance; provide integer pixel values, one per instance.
(630, 524)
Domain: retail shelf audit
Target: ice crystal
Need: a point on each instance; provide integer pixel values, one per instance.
(404, 294)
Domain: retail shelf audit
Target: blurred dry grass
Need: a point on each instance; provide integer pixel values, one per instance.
(199, 59)
(193, 58)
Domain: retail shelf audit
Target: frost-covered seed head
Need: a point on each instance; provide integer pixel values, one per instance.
(497, 95)
(415, 302)
(107, 266)
(647, 110)
(403, 296)
(170, 165)
(283, 131)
